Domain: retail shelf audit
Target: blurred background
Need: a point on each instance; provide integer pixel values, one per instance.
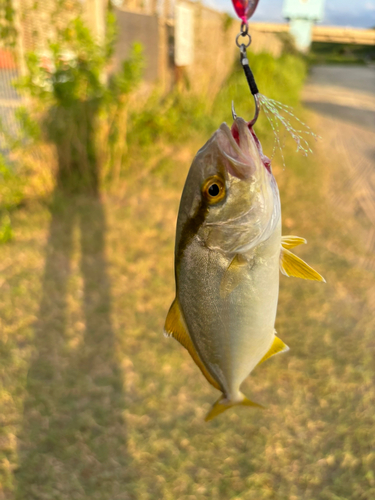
(102, 109)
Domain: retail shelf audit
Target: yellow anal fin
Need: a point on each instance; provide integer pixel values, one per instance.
(233, 275)
(289, 242)
(291, 265)
(222, 404)
(276, 347)
(175, 326)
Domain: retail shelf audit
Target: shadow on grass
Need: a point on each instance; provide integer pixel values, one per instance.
(73, 441)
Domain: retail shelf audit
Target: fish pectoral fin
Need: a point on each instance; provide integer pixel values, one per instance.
(175, 327)
(222, 404)
(233, 275)
(289, 242)
(276, 347)
(291, 265)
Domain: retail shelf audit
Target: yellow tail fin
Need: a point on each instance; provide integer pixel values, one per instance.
(222, 404)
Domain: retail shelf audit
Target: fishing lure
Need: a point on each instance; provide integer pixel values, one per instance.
(276, 112)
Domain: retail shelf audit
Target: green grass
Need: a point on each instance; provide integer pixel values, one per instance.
(97, 404)
(181, 115)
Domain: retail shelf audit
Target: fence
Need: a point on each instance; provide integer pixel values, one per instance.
(192, 42)
(34, 31)
(10, 100)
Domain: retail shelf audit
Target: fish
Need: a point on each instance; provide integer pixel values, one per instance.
(229, 251)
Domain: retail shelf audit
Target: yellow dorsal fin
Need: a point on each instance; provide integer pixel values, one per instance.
(276, 347)
(223, 404)
(289, 242)
(175, 326)
(291, 265)
(233, 275)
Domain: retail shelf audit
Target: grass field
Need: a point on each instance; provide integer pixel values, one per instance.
(97, 404)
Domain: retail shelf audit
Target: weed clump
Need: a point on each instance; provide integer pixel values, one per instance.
(72, 99)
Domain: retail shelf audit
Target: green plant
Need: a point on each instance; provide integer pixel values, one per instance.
(169, 118)
(163, 124)
(8, 31)
(73, 100)
(121, 86)
(6, 231)
(11, 187)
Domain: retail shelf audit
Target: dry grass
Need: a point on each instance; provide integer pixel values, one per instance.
(97, 404)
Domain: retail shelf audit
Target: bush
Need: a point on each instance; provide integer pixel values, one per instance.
(72, 99)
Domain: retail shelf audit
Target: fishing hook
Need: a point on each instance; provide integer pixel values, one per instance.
(256, 115)
(257, 110)
(245, 9)
(250, 79)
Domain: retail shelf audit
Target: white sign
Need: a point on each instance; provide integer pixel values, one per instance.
(184, 35)
(304, 9)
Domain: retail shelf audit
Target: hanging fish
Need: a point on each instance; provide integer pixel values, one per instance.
(228, 253)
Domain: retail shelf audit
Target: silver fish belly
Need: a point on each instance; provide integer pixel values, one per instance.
(233, 332)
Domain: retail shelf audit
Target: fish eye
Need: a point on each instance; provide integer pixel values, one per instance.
(214, 189)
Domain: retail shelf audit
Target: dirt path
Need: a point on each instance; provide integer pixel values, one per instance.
(343, 98)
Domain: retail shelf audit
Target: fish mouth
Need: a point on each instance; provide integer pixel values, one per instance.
(244, 143)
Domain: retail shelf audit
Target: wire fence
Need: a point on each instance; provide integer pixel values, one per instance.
(10, 98)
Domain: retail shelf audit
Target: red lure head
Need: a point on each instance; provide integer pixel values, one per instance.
(245, 8)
